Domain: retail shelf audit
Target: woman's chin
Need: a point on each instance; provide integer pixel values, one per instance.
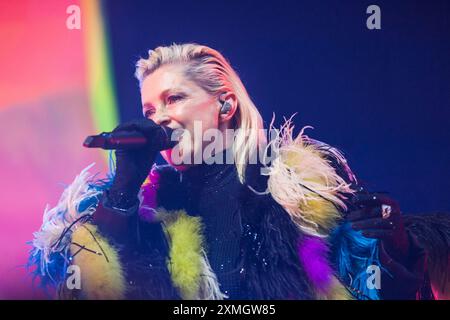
(179, 165)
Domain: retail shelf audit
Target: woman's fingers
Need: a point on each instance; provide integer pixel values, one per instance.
(378, 234)
(365, 213)
(373, 223)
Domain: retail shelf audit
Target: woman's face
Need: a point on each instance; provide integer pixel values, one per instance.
(170, 99)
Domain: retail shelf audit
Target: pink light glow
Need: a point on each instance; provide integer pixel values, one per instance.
(44, 117)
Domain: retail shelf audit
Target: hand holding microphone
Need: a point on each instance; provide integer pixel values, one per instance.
(132, 135)
(137, 143)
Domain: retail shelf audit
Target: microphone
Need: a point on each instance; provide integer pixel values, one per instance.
(125, 140)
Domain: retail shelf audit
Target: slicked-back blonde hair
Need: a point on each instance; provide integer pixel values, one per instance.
(212, 72)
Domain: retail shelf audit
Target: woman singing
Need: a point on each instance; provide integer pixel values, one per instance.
(213, 224)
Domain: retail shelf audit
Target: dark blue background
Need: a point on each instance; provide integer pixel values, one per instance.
(381, 96)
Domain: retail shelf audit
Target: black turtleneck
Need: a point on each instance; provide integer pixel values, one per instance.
(213, 193)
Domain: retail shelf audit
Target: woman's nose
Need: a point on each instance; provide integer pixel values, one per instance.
(161, 119)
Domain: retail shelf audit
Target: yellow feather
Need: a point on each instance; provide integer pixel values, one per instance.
(322, 212)
(185, 234)
(101, 279)
(336, 292)
(305, 183)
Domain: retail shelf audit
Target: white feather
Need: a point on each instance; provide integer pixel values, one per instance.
(57, 219)
(312, 178)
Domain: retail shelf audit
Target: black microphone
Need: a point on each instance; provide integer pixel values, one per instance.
(131, 140)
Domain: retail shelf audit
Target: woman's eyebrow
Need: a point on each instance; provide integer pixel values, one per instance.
(166, 92)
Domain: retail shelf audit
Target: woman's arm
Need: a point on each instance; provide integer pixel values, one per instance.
(406, 251)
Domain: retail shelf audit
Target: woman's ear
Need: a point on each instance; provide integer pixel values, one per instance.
(228, 106)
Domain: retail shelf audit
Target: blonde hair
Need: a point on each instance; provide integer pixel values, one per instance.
(213, 73)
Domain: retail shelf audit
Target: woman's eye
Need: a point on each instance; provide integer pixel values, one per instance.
(173, 99)
(148, 113)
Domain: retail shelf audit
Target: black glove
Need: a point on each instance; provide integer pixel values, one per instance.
(133, 165)
(389, 228)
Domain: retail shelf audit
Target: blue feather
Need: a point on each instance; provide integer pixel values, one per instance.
(352, 254)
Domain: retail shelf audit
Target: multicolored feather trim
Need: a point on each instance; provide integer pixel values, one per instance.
(303, 180)
(189, 267)
(51, 244)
